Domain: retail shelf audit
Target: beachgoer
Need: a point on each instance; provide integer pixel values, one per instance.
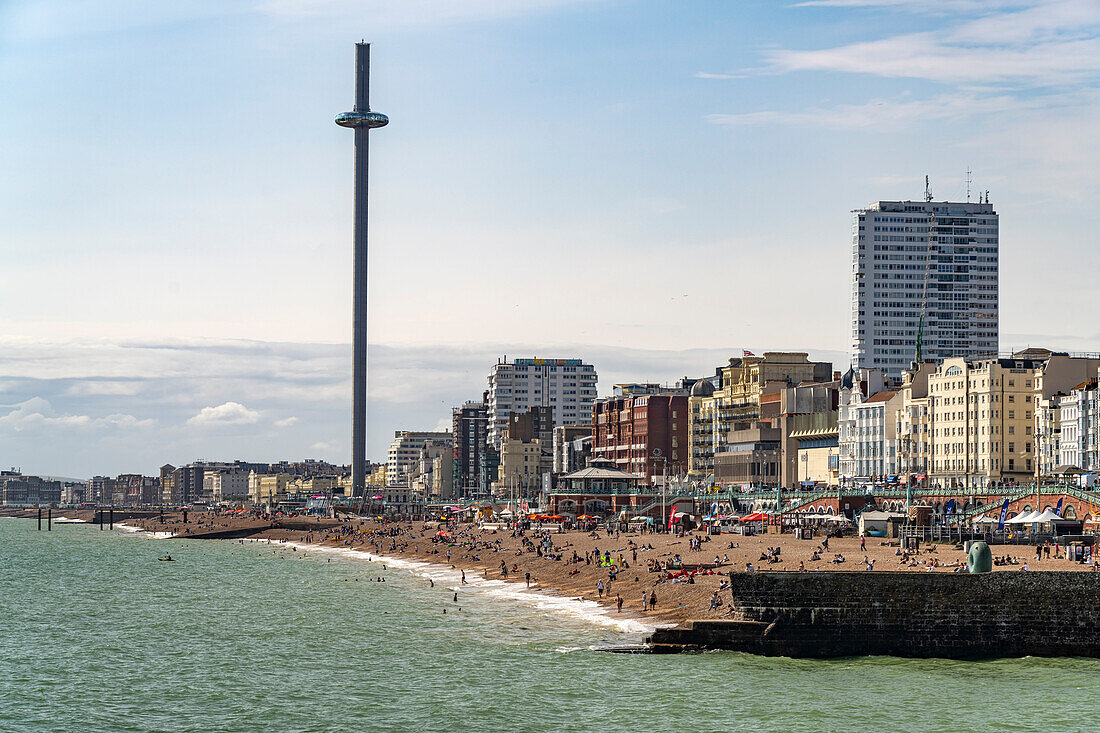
(464, 578)
(653, 599)
(599, 588)
(619, 602)
(645, 601)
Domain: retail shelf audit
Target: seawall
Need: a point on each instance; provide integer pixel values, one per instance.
(951, 615)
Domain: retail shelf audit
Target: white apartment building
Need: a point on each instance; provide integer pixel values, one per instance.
(220, 485)
(1069, 442)
(867, 433)
(566, 385)
(938, 258)
(405, 450)
(1078, 443)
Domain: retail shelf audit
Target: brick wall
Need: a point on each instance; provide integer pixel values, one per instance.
(957, 615)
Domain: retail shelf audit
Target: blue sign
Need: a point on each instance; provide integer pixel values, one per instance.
(1058, 510)
(1004, 513)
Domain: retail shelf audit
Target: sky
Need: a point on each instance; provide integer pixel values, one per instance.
(650, 186)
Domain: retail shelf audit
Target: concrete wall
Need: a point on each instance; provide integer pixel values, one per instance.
(955, 615)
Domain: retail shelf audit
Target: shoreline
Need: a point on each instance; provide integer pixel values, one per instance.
(542, 598)
(515, 590)
(563, 564)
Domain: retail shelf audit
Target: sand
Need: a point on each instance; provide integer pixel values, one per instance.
(480, 550)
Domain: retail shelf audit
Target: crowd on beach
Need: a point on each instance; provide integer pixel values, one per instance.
(668, 576)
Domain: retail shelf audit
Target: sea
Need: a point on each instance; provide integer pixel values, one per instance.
(97, 634)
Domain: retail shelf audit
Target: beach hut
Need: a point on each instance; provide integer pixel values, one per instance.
(879, 524)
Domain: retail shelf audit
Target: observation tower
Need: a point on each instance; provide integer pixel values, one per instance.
(362, 120)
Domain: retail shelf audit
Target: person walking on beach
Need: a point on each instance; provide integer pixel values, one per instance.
(464, 578)
(863, 544)
(619, 602)
(599, 588)
(645, 601)
(653, 599)
(528, 579)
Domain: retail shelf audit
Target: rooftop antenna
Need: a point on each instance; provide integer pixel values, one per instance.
(968, 180)
(927, 190)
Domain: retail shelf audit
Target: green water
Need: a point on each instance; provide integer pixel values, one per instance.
(97, 635)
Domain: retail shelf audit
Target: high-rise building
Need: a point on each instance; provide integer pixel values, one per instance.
(566, 385)
(930, 261)
(470, 427)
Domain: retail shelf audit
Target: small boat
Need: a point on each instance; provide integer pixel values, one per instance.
(166, 559)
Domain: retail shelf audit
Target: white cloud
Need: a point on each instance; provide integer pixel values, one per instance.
(228, 413)
(1052, 43)
(95, 387)
(286, 422)
(39, 413)
(878, 113)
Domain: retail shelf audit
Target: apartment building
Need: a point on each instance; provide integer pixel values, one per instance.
(404, 452)
(470, 430)
(568, 386)
(645, 433)
(929, 266)
(867, 434)
(731, 401)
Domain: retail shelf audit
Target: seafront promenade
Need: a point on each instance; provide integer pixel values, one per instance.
(688, 575)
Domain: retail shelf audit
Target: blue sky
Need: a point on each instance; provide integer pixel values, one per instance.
(649, 185)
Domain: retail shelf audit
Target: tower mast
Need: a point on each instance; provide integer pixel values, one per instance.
(362, 120)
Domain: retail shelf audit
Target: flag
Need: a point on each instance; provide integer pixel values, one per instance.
(949, 507)
(1058, 509)
(1004, 513)
(746, 352)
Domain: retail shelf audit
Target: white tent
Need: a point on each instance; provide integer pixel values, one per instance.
(836, 518)
(1023, 518)
(1050, 516)
(983, 519)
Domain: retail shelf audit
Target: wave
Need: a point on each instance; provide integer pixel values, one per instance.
(571, 606)
(154, 535)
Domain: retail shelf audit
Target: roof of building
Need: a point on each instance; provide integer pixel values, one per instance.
(849, 379)
(702, 388)
(597, 472)
(883, 396)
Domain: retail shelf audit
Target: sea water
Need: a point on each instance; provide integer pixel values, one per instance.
(97, 634)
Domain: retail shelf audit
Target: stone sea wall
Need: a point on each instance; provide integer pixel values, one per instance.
(955, 615)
